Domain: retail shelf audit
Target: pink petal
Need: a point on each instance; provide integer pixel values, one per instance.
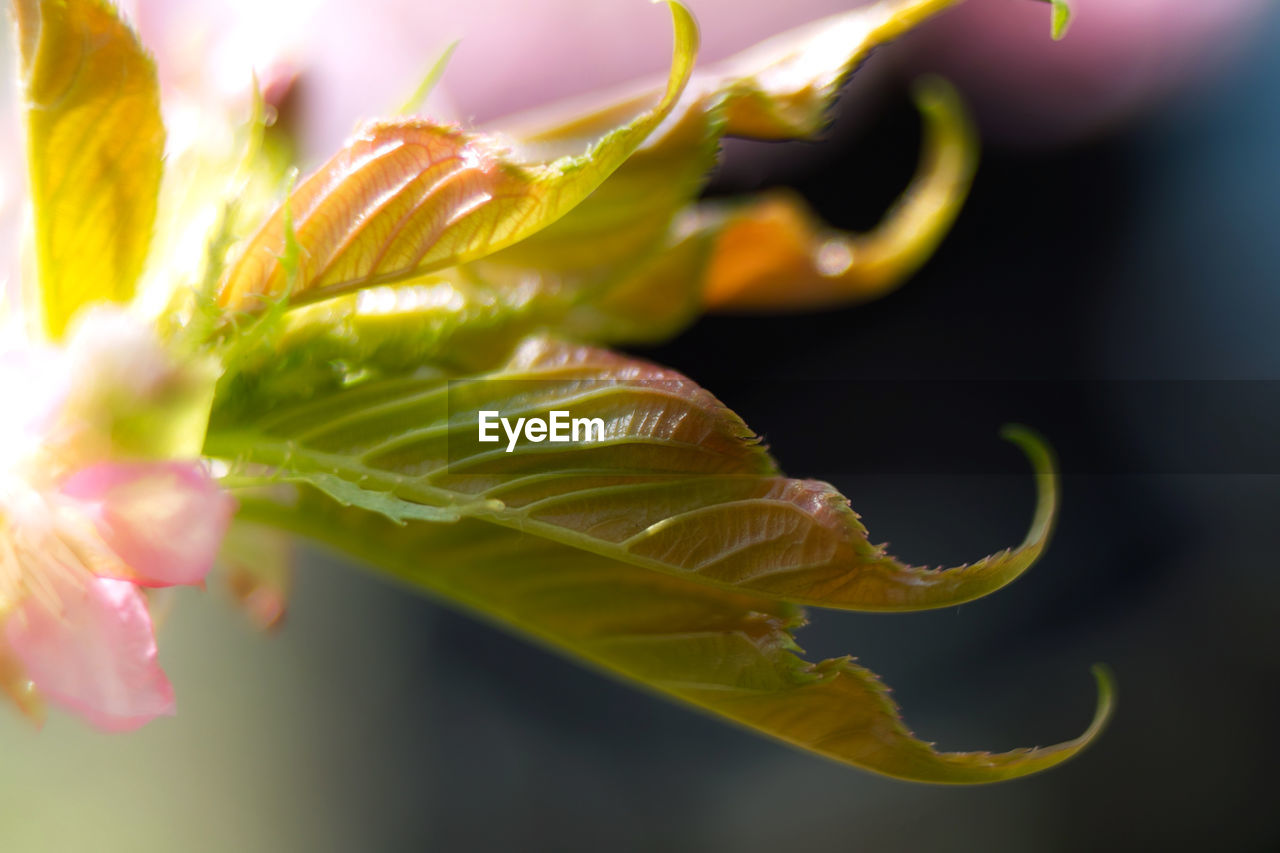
(165, 520)
(92, 650)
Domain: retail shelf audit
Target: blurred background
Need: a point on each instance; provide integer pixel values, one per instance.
(1112, 282)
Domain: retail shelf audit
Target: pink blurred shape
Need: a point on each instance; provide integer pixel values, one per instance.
(88, 644)
(80, 630)
(165, 520)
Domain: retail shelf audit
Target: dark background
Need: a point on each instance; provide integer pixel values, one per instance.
(377, 720)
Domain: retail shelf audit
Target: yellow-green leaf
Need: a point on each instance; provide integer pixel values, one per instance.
(95, 143)
(768, 254)
(407, 197)
(730, 654)
(1061, 18)
(626, 219)
(677, 484)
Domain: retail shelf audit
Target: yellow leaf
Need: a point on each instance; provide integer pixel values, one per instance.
(95, 143)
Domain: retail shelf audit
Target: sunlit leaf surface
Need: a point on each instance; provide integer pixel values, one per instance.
(728, 653)
(678, 484)
(409, 196)
(95, 142)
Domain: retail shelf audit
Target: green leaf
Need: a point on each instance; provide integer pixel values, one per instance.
(386, 504)
(1061, 18)
(679, 484)
(94, 142)
(440, 320)
(724, 652)
(408, 197)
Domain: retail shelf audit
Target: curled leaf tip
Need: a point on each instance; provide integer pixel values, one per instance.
(1045, 467)
(774, 254)
(983, 768)
(1106, 682)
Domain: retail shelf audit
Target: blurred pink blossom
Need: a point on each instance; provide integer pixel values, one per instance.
(77, 542)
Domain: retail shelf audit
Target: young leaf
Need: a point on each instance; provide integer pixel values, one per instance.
(677, 483)
(728, 653)
(95, 141)
(407, 197)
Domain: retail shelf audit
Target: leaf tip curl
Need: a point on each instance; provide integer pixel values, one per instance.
(1045, 467)
(1106, 684)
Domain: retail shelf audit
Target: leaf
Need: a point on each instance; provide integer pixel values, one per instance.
(386, 504)
(453, 325)
(452, 321)
(407, 197)
(769, 254)
(620, 224)
(678, 484)
(773, 254)
(727, 653)
(782, 88)
(1061, 18)
(656, 298)
(95, 142)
